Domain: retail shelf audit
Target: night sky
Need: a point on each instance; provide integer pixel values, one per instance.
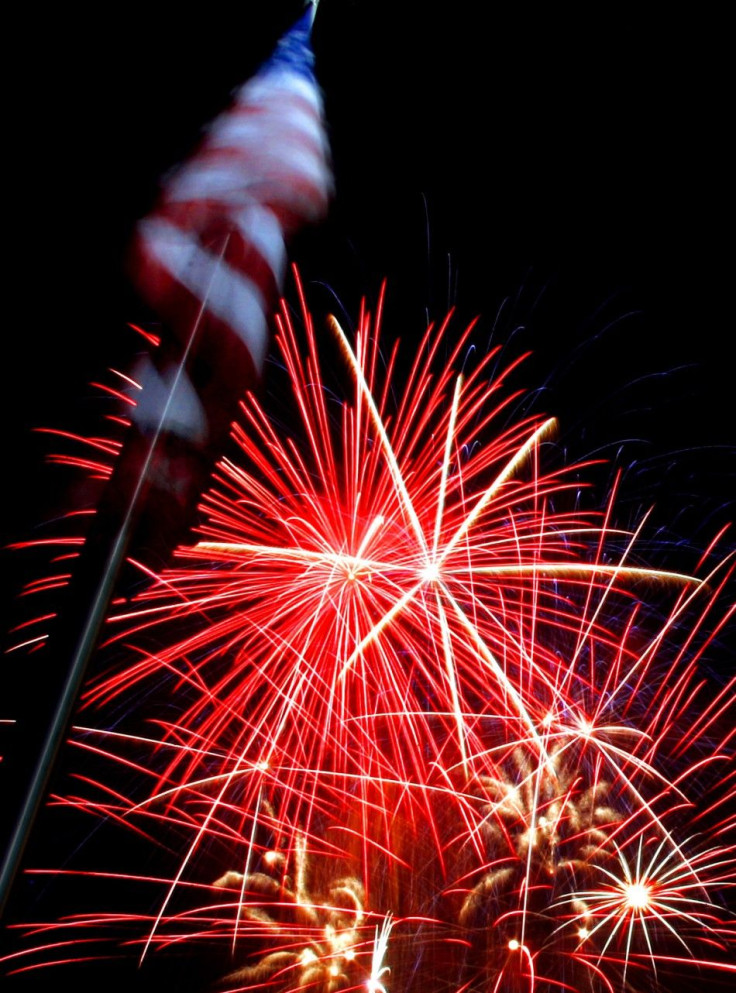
(562, 178)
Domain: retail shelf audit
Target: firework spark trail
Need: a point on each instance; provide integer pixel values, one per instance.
(427, 730)
(350, 594)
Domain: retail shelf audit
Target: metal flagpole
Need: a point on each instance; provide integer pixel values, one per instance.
(220, 299)
(85, 642)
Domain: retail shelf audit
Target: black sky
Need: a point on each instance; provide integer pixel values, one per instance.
(574, 169)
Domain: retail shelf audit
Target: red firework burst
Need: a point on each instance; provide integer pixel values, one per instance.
(427, 735)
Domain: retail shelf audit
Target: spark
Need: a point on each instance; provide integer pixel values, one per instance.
(424, 713)
(379, 969)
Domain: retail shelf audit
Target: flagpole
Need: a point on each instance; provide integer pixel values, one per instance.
(238, 334)
(103, 579)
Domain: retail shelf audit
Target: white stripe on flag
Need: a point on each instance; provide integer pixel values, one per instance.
(246, 128)
(232, 297)
(263, 87)
(223, 180)
(261, 228)
(185, 415)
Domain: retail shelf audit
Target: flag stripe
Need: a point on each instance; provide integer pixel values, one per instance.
(211, 257)
(231, 296)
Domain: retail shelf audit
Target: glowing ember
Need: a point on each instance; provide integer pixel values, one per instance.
(637, 896)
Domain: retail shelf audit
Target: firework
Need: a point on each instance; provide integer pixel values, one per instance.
(427, 733)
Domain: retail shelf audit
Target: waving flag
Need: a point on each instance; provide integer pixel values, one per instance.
(211, 257)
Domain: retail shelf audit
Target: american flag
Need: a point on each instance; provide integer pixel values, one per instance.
(210, 258)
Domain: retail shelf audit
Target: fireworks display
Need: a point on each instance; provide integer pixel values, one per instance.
(414, 709)
(409, 718)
